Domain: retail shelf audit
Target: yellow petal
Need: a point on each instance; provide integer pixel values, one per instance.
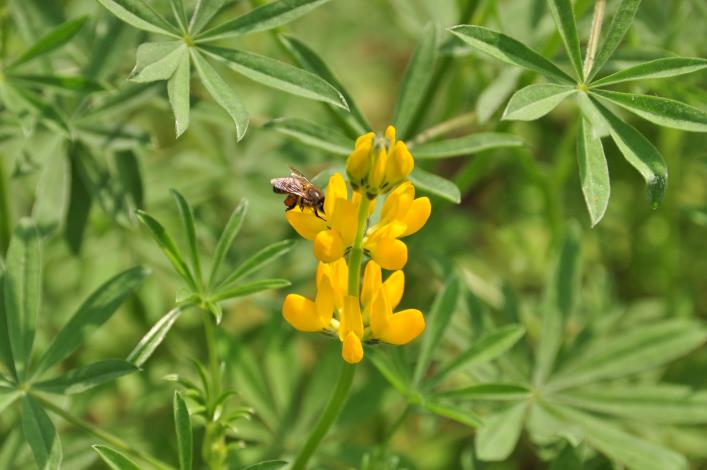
(400, 163)
(328, 246)
(378, 313)
(390, 253)
(324, 301)
(403, 327)
(397, 203)
(352, 349)
(301, 313)
(344, 220)
(338, 274)
(394, 287)
(351, 320)
(357, 164)
(365, 140)
(335, 189)
(372, 281)
(390, 134)
(417, 215)
(305, 223)
(378, 170)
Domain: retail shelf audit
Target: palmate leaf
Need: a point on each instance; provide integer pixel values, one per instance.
(84, 378)
(659, 68)
(229, 292)
(453, 412)
(186, 214)
(41, 435)
(313, 134)
(465, 145)
(50, 41)
(140, 15)
(617, 29)
(563, 14)
(204, 11)
(434, 184)
(179, 14)
(268, 16)
(593, 171)
(230, 231)
(114, 459)
(185, 440)
(488, 391)
(497, 438)
(509, 50)
(178, 91)
(157, 61)
(155, 336)
(661, 111)
(535, 101)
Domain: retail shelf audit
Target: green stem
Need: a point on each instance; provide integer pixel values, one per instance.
(396, 425)
(356, 255)
(5, 217)
(214, 445)
(101, 434)
(333, 408)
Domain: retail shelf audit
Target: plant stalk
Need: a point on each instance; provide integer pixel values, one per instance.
(356, 254)
(101, 434)
(214, 445)
(597, 21)
(5, 217)
(396, 425)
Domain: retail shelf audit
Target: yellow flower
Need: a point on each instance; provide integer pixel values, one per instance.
(355, 318)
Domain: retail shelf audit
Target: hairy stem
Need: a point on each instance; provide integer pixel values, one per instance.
(594, 34)
(101, 434)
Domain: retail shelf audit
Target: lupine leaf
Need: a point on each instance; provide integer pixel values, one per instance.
(445, 304)
(661, 111)
(619, 26)
(114, 459)
(47, 111)
(535, 101)
(454, 413)
(563, 14)
(639, 152)
(154, 337)
(417, 79)
(229, 292)
(509, 50)
(6, 358)
(498, 436)
(23, 291)
(436, 185)
(267, 465)
(179, 14)
(95, 311)
(75, 84)
(178, 93)
(659, 68)
(140, 15)
(309, 60)
(488, 391)
(41, 435)
(128, 169)
(222, 93)
(279, 75)
(8, 397)
(593, 172)
(78, 210)
(387, 367)
(264, 256)
(465, 145)
(313, 134)
(600, 127)
(185, 440)
(265, 17)
(84, 378)
(233, 226)
(157, 61)
(169, 248)
(52, 40)
(204, 11)
(187, 215)
(496, 93)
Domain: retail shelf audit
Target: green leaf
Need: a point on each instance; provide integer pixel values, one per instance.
(265, 17)
(140, 15)
(279, 75)
(263, 257)
(169, 248)
(498, 437)
(487, 348)
(204, 11)
(187, 216)
(222, 93)
(313, 134)
(445, 304)
(54, 39)
(593, 172)
(640, 349)
(639, 152)
(309, 60)
(509, 50)
(618, 28)
(659, 68)
(128, 169)
(558, 302)
(454, 413)
(563, 14)
(633, 452)
(154, 337)
(8, 397)
(47, 111)
(535, 101)
(600, 128)
(78, 210)
(496, 93)
(229, 292)
(74, 84)
(114, 459)
(233, 226)
(388, 369)
(179, 14)
(6, 358)
(41, 435)
(661, 111)
(489, 392)
(85, 378)
(157, 61)
(95, 311)
(267, 465)
(436, 185)
(178, 88)
(465, 145)
(185, 440)
(417, 78)
(23, 291)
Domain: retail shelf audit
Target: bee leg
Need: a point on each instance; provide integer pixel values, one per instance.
(316, 213)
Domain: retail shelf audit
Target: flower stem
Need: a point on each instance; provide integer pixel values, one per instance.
(356, 254)
(101, 434)
(333, 408)
(214, 445)
(593, 42)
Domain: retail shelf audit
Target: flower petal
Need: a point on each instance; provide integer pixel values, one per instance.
(336, 188)
(397, 203)
(344, 219)
(403, 327)
(305, 223)
(379, 313)
(328, 246)
(394, 287)
(400, 163)
(325, 300)
(301, 313)
(417, 215)
(352, 349)
(351, 319)
(372, 281)
(390, 253)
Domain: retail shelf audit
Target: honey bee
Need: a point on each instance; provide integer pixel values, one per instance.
(300, 192)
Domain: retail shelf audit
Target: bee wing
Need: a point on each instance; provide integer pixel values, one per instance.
(294, 172)
(288, 185)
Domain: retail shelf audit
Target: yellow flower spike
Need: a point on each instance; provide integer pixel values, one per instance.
(417, 215)
(397, 203)
(379, 314)
(344, 220)
(352, 349)
(390, 253)
(359, 162)
(302, 314)
(377, 175)
(372, 281)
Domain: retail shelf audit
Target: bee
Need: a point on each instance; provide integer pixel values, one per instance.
(300, 192)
